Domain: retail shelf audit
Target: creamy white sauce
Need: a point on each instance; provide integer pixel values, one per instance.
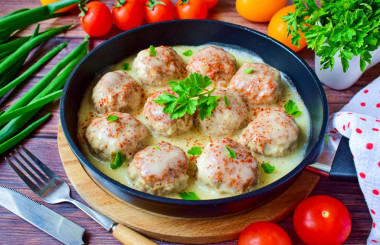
(283, 165)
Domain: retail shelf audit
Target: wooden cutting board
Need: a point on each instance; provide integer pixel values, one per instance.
(174, 229)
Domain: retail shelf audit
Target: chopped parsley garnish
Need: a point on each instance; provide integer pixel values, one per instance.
(119, 160)
(268, 169)
(188, 53)
(112, 118)
(126, 67)
(248, 70)
(189, 196)
(195, 150)
(156, 147)
(192, 94)
(226, 101)
(152, 51)
(292, 109)
(230, 152)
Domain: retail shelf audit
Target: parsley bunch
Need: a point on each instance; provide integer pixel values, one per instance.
(350, 27)
(192, 94)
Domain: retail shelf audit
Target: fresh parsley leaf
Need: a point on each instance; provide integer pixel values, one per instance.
(156, 147)
(268, 169)
(188, 53)
(112, 118)
(231, 152)
(195, 150)
(226, 101)
(152, 51)
(292, 109)
(192, 94)
(189, 196)
(349, 28)
(126, 67)
(119, 160)
(248, 70)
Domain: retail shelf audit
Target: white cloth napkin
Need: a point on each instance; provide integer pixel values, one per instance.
(359, 121)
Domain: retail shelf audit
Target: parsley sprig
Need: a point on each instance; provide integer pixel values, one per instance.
(192, 94)
(195, 150)
(292, 109)
(348, 27)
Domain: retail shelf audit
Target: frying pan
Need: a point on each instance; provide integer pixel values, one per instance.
(195, 32)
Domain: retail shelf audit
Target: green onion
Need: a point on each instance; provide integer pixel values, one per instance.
(156, 147)
(26, 74)
(20, 136)
(112, 118)
(119, 160)
(28, 96)
(152, 50)
(13, 45)
(226, 101)
(189, 196)
(29, 45)
(248, 70)
(22, 19)
(230, 152)
(13, 13)
(13, 126)
(188, 53)
(30, 107)
(195, 150)
(268, 169)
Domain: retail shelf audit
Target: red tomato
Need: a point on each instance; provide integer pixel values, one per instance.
(128, 14)
(191, 9)
(322, 220)
(159, 10)
(211, 3)
(97, 20)
(264, 233)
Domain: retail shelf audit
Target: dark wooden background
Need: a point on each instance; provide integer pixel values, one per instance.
(43, 142)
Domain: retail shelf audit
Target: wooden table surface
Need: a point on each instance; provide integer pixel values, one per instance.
(43, 142)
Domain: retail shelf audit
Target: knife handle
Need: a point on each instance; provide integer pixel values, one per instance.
(129, 237)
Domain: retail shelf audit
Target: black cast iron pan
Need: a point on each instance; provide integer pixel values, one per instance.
(195, 32)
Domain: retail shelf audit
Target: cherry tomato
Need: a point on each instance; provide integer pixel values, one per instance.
(97, 19)
(259, 10)
(128, 14)
(264, 233)
(191, 9)
(277, 29)
(211, 3)
(322, 220)
(47, 2)
(159, 10)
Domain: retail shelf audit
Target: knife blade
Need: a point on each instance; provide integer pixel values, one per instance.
(42, 217)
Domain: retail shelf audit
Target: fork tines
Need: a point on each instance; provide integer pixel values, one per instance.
(37, 179)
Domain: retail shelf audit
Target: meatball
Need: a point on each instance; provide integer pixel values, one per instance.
(260, 87)
(215, 63)
(225, 120)
(117, 91)
(160, 69)
(160, 122)
(217, 169)
(159, 169)
(125, 135)
(272, 133)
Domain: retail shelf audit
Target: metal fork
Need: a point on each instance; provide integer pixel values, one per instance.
(52, 189)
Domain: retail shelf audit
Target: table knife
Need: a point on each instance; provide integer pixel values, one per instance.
(42, 217)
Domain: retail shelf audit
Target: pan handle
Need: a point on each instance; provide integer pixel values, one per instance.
(335, 160)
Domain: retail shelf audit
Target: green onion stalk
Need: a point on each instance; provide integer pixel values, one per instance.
(14, 22)
(12, 127)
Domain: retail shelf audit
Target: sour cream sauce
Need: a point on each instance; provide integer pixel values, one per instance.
(195, 137)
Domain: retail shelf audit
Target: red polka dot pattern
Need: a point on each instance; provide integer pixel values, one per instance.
(369, 146)
(378, 105)
(375, 129)
(362, 175)
(365, 91)
(362, 104)
(373, 211)
(359, 131)
(376, 192)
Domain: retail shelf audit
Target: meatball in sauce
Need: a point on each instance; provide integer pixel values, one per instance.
(258, 84)
(158, 70)
(219, 170)
(272, 133)
(214, 62)
(117, 91)
(160, 169)
(230, 114)
(160, 122)
(125, 135)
